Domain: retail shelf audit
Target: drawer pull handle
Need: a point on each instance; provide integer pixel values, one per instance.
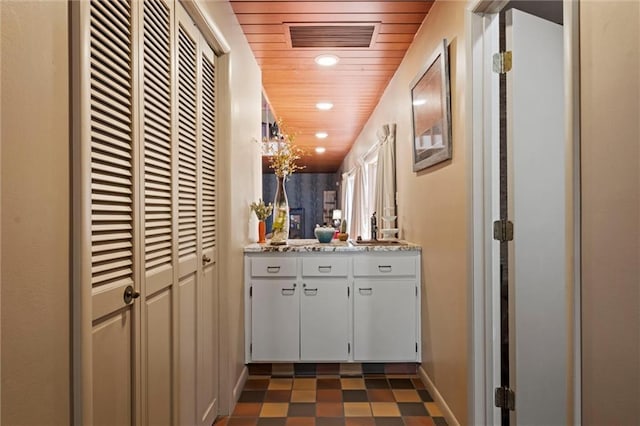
(365, 291)
(273, 269)
(384, 268)
(289, 291)
(324, 268)
(310, 291)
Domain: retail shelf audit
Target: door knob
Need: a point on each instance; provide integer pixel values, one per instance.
(205, 259)
(130, 294)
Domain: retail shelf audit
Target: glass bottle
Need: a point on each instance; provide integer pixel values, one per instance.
(280, 228)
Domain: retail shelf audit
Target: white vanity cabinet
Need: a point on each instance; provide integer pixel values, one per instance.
(274, 326)
(337, 306)
(386, 299)
(325, 308)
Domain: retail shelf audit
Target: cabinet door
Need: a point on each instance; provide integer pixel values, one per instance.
(275, 327)
(385, 320)
(324, 320)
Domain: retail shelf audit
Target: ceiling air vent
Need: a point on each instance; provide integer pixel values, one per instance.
(336, 36)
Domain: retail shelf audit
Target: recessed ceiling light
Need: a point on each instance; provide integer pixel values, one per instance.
(324, 106)
(320, 149)
(419, 102)
(327, 60)
(322, 135)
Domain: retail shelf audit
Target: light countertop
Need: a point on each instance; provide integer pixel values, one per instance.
(303, 246)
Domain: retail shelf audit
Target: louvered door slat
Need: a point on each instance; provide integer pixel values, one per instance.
(109, 36)
(208, 155)
(119, 16)
(111, 136)
(187, 142)
(157, 135)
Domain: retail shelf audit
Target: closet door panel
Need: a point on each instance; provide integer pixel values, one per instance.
(110, 134)
(208, 296)
(188, 215)
(157, 205)
(157, 323)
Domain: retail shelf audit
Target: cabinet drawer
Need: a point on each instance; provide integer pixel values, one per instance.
(325, 266)
(379, 266)
(273, 267)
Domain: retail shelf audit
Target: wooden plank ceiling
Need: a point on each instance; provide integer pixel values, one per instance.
(293, 83)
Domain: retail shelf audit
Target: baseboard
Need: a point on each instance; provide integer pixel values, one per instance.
(237, 389)
(446, 411)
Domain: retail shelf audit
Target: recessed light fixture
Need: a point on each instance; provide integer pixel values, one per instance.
(320, 149)
(327, 60)
(324, 106)
(419, 102)
(322, 135)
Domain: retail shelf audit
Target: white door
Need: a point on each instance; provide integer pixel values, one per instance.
(537, 194)
(207, 380)
(158, 218)
(384, 320)
(196, 189)
(108, 157)
(324, 320)
(275, 320)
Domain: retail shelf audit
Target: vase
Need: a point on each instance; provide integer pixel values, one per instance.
(262, 232)
(280, 228)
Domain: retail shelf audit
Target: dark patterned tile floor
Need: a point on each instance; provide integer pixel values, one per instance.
(334, 395)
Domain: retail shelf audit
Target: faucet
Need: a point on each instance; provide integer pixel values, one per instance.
(374, 227)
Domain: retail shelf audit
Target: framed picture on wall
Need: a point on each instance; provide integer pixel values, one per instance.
(431, 106)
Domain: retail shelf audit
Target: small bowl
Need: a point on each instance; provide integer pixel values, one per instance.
(324, 234)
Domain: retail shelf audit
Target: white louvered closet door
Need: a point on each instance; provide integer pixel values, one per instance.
(198, 323)
(207, 406)
(111, 118)
(158, 220)
(188, 211)
(148, 335)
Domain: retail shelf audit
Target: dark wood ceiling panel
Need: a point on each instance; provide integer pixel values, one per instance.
(293, 82)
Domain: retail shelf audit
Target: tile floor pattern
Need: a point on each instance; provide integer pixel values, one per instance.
(349, 398)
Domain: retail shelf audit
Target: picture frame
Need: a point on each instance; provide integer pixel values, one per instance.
(431, 111)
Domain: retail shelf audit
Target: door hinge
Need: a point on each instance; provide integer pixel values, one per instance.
(505, 398)
(416, 347)
(502, 62)
(503, 230)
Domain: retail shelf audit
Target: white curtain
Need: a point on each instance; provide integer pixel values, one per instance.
(359, 225)
(347, 198)
(385, 188)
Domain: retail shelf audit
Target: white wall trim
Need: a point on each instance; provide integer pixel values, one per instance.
(207, 27)
(237, 389)
(437, 397)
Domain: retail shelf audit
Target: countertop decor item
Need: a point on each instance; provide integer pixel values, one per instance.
(343, 235)
(262, 212)
(324, 234)
(283, 162)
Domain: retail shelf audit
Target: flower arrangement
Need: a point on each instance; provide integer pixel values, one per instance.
(261, 210)
(285, 155)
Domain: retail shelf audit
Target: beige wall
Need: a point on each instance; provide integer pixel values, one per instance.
(610, 102)
(240, 176)
(35, 213)
(433, 204)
